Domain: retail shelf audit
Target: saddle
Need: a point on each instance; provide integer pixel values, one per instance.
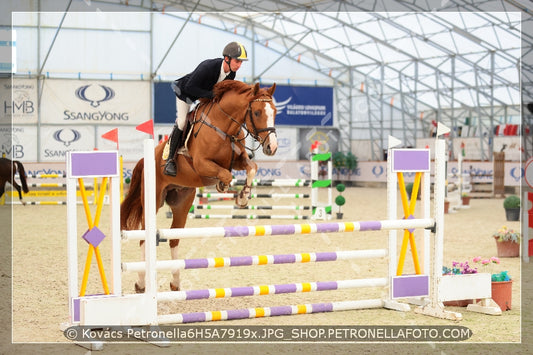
(182, 146)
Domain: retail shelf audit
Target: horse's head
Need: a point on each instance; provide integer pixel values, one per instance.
(261, 118)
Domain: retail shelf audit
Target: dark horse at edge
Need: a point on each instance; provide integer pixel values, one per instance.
(8, 169)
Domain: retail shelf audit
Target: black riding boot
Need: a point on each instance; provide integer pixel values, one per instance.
(175, 137)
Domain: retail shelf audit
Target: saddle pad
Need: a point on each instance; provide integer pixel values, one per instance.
(166, 150)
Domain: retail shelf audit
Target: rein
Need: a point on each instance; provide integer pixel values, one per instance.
(242, 126)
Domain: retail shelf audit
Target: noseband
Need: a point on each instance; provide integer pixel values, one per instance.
(256, 131)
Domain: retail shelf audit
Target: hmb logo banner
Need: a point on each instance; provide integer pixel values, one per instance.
(18, 100)
(95, 102)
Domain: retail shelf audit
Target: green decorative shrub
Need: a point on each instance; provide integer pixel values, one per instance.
(512, 201)
(340, 200)
(340, 187)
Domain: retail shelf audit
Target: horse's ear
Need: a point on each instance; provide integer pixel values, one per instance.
(255, 89)
(272, 89)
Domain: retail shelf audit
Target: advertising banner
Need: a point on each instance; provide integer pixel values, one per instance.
(19, 143)
(304, 106)
(56, 141)
(296, 105)
(18, 98)
(106, 102)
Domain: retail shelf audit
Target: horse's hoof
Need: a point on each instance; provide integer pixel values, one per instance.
(174, 288)
(221, 187)
(139, 289)
(241, 203)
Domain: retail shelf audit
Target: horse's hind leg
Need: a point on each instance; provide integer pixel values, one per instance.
(17, 187)
(180, 201)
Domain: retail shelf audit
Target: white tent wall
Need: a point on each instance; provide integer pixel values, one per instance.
(162, 46)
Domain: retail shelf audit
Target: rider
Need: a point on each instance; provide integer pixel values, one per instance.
(199, 83)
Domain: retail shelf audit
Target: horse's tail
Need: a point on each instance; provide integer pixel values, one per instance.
(131, 209)
(22, 175)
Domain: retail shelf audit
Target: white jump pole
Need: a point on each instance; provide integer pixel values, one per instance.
(150, 229)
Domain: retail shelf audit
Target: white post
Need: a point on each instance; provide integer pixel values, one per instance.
(426, 213)
(314, 177)
(525, 226)
(439, 192)
(72, 241)
(150, 229)
(330, 189)
(460, 172)
(115, 199)
(392, 210)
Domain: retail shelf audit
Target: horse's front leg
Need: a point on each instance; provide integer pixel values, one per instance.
(244, 196)
(209, 168)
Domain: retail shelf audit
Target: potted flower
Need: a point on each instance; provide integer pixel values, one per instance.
(458, 268)
(502, 284)
(512, 207)
(465, 199)
(340, 200)
(507, 242)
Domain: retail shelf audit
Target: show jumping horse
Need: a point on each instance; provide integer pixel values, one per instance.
(215, 146)
(8, 169)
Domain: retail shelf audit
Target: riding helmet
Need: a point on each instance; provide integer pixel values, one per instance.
(235, 50)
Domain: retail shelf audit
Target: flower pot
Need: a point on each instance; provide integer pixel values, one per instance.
(502, 292)
(466, 200)
(512, 214)
(339, 215)
(507, 248)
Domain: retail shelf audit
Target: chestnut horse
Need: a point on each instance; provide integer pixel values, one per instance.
(8, 169)
(215, 146)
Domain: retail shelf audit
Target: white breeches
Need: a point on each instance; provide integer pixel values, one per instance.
(182, 109)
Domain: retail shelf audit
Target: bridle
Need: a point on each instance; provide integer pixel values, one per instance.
(256, 131)
(242, 126)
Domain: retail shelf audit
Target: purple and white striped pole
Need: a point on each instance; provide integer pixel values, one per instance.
(261, 312)
(284, 229)
(269, 289)
(202, 263)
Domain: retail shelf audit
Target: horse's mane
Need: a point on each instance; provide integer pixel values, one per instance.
(229, 85)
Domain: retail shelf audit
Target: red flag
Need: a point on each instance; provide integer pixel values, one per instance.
(112, 135)
(315, 145)
(146, 127)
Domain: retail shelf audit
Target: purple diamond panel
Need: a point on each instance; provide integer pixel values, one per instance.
(93, 236)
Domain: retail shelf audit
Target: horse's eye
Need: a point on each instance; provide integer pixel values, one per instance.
(257, 113)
